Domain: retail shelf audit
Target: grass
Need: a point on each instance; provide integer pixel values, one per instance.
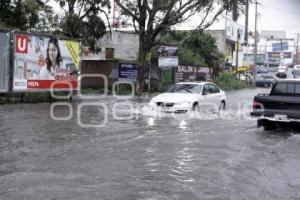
(229, 82)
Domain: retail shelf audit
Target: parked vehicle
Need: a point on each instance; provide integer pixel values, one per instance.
(296, 71)
(262, 70)
(281, 71)
(190, 96)
(264, 80)
(281, 106)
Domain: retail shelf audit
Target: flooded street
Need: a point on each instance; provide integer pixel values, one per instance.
(144, 155)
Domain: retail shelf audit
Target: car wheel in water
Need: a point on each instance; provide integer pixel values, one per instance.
(222, 106)
(196, 107)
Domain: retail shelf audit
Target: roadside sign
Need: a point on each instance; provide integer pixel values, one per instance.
(168, 56)
(127, 72)
(44, 62)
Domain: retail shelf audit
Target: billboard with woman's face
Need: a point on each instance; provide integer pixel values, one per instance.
(4, 60)
(45, 62)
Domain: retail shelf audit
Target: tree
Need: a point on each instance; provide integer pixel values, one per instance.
(82, 20)
(198, 49)
(151, 17)
(21, 14)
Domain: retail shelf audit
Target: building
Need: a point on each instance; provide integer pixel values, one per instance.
(229, 39)
(122, 45)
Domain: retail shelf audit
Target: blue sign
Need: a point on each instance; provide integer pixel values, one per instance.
(127, 71)
(280, 46)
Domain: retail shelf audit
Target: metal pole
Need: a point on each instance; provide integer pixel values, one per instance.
(246, 21)
(281, 53)
(255, 43)
(297, 48)
(237, 54)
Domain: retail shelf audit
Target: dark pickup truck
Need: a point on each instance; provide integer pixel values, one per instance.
(281, 106)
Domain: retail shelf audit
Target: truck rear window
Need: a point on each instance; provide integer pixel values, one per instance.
(292, 89)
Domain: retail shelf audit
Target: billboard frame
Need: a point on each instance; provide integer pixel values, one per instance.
(8, 68)
(13, 56)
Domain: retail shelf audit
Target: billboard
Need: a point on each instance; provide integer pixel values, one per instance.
(45, 62)
(4, 60)
(232, 28)
(280, 46)
(168, 56)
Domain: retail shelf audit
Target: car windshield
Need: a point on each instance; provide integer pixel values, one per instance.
(268, 77)
(185, 88)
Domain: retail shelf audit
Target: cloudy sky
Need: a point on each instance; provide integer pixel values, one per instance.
(276, 15)
(273, 15)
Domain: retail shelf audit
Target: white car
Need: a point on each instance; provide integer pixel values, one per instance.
(296, 72)
(190, 96)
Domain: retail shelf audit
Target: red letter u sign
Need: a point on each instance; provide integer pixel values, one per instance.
(21, 44)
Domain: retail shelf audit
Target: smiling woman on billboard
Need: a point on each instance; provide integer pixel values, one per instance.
(53, 60)
(40, 67)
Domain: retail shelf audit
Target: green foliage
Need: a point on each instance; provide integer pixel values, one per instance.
(196, 48)
(86, 22)
(20, 14)
(227, 81)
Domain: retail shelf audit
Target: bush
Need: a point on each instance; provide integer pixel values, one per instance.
(229, 82)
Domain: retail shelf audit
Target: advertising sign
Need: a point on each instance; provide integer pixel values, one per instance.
(232, 30)
(280, 46)
(277, 55)
(127, 72)
(168, 56)
(191, 73)
(45, 62)
(4, 60)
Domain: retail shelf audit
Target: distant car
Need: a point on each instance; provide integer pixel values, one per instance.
(264, 80)
(262, 70)
(296, 71)
(281, 71)
(190, 96)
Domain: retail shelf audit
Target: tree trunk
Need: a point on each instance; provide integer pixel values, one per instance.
(143, 49)
(142, 63)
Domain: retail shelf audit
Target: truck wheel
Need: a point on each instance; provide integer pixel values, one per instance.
(268, 125)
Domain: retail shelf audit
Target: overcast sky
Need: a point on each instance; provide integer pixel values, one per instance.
(276, 15)
(273, 15)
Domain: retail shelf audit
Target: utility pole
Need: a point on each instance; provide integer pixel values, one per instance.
(246, 21)
(297, 48)
(255, 41)
(281, 53)
(237, 52)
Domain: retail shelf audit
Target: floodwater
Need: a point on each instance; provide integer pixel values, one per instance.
(134, 153)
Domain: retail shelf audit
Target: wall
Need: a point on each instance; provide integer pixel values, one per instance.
(125, 45)
(219, 36)
(98, 67)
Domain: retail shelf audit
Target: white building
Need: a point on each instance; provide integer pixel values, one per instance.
(123, 45)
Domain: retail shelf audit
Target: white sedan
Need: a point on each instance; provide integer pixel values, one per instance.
(190, 96)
